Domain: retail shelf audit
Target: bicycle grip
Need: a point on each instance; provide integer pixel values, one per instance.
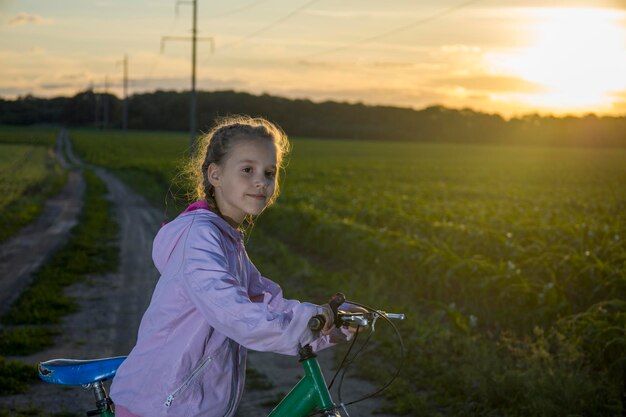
(317, 322)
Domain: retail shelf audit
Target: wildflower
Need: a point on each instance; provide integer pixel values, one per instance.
(549, 285)
(510, 265)
(616, 237)
(509, 235)
(587, 253)
(473, 320)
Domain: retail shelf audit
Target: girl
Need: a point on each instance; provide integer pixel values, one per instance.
(211, 304)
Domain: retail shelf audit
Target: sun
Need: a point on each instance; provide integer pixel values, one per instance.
(577, 58)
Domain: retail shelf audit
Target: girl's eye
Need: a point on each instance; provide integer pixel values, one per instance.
(247, 170)
(270, 174)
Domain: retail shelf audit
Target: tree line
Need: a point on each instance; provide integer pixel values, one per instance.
(169, 110)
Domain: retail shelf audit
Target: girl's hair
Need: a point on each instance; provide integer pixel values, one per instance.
(214, 146)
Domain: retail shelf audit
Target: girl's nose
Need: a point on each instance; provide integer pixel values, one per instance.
(261, 182)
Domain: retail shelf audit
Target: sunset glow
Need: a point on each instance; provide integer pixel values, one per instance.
(578, 55)
(513, 58)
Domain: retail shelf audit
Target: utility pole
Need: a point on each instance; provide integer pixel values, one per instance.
(194, 38)
(125, 102)
(105, 103)
(96, 102)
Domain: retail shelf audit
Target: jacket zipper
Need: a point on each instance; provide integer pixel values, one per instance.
(187, 381)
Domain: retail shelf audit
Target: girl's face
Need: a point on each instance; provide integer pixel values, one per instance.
(245, 180)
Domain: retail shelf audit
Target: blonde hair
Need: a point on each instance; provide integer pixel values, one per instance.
(213, 147)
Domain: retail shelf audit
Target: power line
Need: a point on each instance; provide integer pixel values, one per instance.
(238, 9)
(396, 30)
(272, 25)
(157, 58)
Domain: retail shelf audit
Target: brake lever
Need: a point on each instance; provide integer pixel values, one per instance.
(353, 318)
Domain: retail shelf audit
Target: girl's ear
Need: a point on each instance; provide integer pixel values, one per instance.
(213, 174)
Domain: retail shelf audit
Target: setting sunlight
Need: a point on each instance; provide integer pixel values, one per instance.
(576, 56)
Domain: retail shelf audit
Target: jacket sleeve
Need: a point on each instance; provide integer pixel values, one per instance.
(273, 325)
(263, 289)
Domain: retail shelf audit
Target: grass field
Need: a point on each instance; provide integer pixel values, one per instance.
(508, 260)
(29, 174)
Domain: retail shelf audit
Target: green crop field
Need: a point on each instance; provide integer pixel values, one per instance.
(28, 175)
(509, 261)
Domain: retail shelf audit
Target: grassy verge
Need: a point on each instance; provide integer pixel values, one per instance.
(29, 175)
(30, 203)
(31, 323)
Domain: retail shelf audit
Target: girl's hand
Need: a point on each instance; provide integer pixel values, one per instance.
(328, 314)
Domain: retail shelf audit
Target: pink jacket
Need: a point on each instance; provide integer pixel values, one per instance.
(209, 306)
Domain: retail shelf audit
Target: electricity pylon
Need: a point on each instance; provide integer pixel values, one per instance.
(194, 38)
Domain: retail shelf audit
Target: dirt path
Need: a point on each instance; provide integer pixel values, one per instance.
(111, 307)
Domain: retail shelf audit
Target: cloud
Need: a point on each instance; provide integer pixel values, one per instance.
(619, 94)
(460, 48)
(13, 92)
(359, 14)
(182, 83)
(619, 104)
(393, 65)
(492, 83)
(57, 86)
(28, 19)
(397, 97)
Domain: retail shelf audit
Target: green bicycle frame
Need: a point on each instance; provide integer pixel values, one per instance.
(310, 392)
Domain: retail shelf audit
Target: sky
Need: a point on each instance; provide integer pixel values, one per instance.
(510, 57)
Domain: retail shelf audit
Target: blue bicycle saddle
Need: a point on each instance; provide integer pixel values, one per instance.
(79, 372)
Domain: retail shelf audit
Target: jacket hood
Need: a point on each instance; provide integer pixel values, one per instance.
(170, 233)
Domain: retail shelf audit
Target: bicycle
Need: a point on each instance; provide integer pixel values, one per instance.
(309, 397)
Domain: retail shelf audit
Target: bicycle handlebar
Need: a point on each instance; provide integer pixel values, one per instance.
(343, 318)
